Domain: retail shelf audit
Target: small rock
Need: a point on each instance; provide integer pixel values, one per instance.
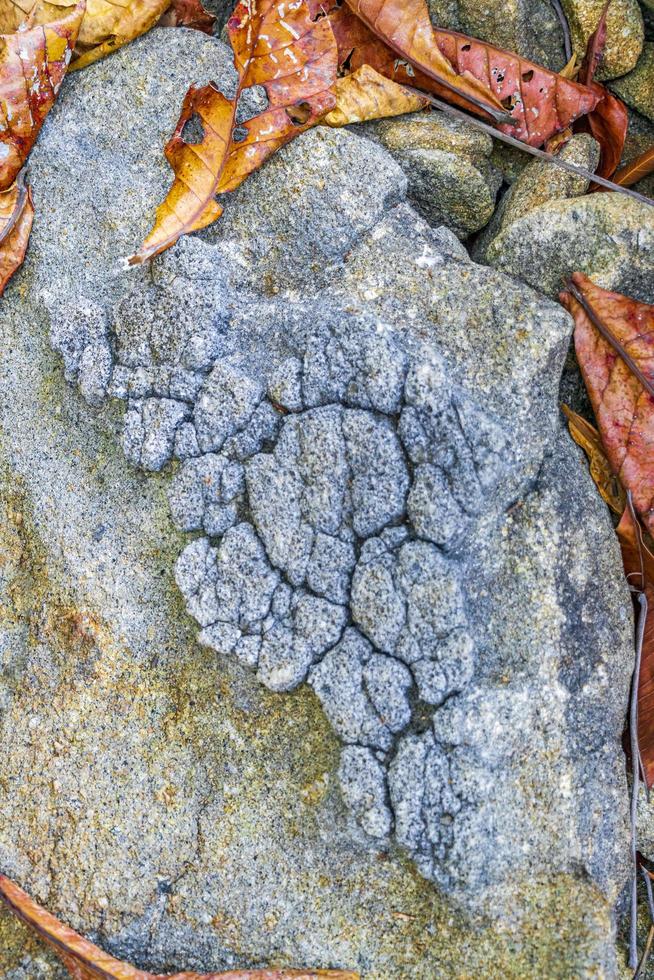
(637, 88)
(451, 180)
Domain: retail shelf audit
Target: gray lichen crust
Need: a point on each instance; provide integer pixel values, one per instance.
(340, 477)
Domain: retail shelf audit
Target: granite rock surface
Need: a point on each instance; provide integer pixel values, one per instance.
(358, 434)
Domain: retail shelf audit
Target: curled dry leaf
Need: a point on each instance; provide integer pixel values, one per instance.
(85, 961)
(638, 560)
(275, 45)
(188, 13)
(365, 94)
(33, 63)
(539, 102)
(635, 170)
(107, 24)
(16, 216)
(614, 341)
(587, 436)
(608, 121)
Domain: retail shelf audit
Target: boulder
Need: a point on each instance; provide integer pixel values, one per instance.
(357, 431)
(637, 88)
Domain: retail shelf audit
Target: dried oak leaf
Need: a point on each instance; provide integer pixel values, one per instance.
(587, 436)
(638, 561)
(275, 45)
(635, 170)
(540, 102)
(16, 216)
(33, 63)
(608, 121)
(614, 342)
(188, 13)
(365, 94)
(85, 961)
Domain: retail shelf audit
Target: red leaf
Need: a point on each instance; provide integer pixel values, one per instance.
(607, 123)
(33, 63)
(188, 13)
(541, 102)
(614, 341)
(85, 961)
(594, 49)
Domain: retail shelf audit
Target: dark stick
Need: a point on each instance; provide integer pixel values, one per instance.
(635, 785)
(608, 336)
(541, 154)
(563, 21)
(20, 204)
(646, 952)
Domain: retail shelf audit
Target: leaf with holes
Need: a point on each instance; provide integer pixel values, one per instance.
(33, 63)
(276, 45)
(16, 216)
(85, 961)
(540, 102)
(365, 94)
(188, 13)
(608, 121)
(614, 341)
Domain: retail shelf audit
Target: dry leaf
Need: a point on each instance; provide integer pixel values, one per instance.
(33, 63)
(108, 26)
(405, 26)
(638, 561)
(540, 102)
(587, 436)
(365, 94)
(85, 961)
(16, 216)
(275, 45)
(188, 13)
(571, 69)
(635, 170)
(614, 341)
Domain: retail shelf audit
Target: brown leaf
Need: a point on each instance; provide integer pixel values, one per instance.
(188, 13)
(539, 101)
(594, 49)
(275, 45)
(607, 123)
(85, 961)
(638, 561)
(587, 436)
(614, 341)
(33, 63)
(110, 24)
(365, 94)
(635, 170)
(16, 216)
(404, 26)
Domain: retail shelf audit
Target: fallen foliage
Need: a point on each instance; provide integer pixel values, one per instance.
(188, 13)
(85, 961)
(16, 216)
(294, 58)
(587, 436)
(635, 170)
(33, 63)
(365, 94)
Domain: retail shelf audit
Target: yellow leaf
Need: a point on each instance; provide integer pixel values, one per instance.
(587, 436)
(365, 94)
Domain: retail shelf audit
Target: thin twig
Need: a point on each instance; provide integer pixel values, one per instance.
(534, 151)
(19, 207)
(644, 958)
(608, 336)
(648, 888)
(563, 20)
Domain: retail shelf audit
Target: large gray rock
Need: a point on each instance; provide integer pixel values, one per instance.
(362, 431)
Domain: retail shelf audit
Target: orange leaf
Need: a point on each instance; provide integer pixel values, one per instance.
(587, 436)
(188, 13)
(16, 216)
(638, 560)
(85, 961)
(33, 63)
(275, 45)
(614, 341)
(540, 102)
(635, 170)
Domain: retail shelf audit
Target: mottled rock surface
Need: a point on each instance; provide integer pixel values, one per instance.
(361, 448)
(637, 87)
